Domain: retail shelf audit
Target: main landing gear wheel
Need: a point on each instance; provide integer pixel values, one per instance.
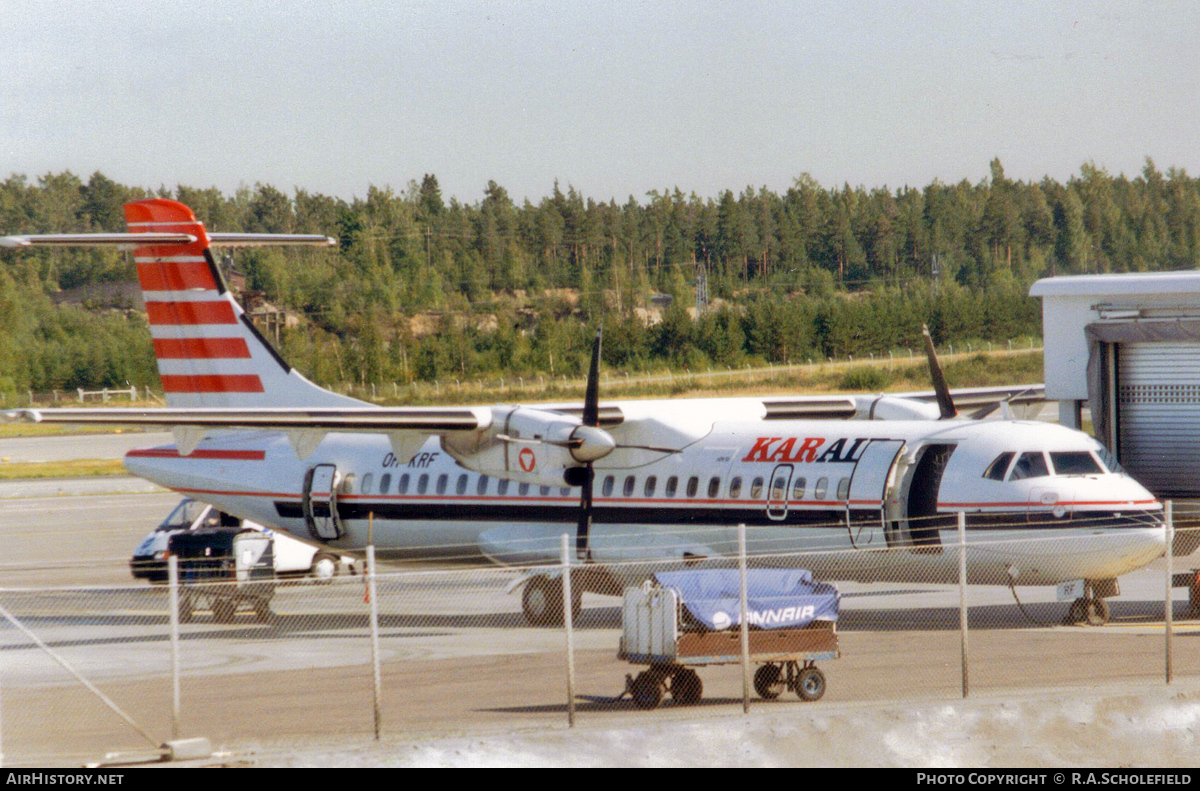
(810, 684)
(1089, 610)
(686, 687)
(768, 682)
(542, 601)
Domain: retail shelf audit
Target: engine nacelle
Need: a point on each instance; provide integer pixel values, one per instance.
(895, 408)
(529, 445)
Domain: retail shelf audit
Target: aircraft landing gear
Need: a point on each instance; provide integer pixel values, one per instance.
(542, 600)
(1090, 610)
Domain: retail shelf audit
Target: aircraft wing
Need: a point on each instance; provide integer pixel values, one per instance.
(983, 396)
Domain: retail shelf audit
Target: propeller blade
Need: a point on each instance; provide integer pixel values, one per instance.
(945, 401)
(583, 550)
(591, 397)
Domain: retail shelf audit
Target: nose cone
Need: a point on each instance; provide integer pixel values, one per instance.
(594, 443)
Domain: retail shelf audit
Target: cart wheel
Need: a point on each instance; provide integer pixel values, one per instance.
(768, 682)
(810, 684)
(647, 690)
(186, 608)
(262, 610)
(1097, 612)
(686, 687)
(223, 610)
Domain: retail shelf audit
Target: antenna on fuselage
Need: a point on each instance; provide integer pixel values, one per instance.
(945, 401)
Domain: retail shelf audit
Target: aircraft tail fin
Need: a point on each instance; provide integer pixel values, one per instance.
(209, 354)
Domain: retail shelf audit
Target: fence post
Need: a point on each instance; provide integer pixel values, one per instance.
(568, 623)
(1168, 608)
(377, 695)
(176, 707)
(962, 596)
(744, 627)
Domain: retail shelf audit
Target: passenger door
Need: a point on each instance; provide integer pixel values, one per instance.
(319, 502)
(872, 473)
(777, 492)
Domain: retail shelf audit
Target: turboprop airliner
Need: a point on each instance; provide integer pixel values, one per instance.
(862, 487)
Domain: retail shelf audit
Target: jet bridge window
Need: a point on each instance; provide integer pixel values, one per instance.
(998, 467)
(1030, 465)
(672, 485)
(1075, 463)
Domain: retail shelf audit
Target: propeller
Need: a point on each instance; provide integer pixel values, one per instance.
(945, 401)
(588, 426)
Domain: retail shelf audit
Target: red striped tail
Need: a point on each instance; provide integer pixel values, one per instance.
(209, 354)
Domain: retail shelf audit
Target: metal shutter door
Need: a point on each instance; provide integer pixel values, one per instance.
(1159, 385)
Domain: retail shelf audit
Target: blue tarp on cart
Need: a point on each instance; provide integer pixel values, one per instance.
(775, 598)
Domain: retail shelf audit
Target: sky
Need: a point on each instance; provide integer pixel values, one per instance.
(614, 98)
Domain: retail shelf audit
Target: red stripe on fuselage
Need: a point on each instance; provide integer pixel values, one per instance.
(176, 276)
(201, 349)
(175, 313)
(172, 453)
(212, 383)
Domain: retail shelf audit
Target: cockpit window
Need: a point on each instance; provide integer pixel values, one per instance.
(1075, 463)
(997, 468)
(1030, 465)
(1109, 460)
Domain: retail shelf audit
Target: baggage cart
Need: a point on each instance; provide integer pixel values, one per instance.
(688, 619)
(225, 568)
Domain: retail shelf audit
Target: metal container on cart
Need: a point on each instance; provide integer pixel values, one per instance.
(225, 568)
(688, 619)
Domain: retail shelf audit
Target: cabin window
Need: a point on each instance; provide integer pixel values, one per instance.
(1075, 463)
(502, 487)
(672, 485)
(998, 467)
(443, 479)
(843, 490)
(368, 479)
(385, 483)
(798, 488)
(545, 491)
(402, 488)
(347, 486)
(606, 488)
(564, 490)
(714, 488)
(481, 486)
(651, 485)
(693, 486)
(735, 488)
(630, 482)
(820, 489)
(1030, 465)
(523, 489)
(460, 487)
(779, 487)
(756, 487)
(422, 484)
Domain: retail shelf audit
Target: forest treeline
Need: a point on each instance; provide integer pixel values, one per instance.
(519, 287)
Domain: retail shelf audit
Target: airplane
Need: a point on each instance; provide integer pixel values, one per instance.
(862, 487)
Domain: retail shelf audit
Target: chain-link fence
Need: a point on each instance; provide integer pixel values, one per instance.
(261, 663)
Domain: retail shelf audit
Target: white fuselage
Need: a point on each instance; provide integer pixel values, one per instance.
(834, 491)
